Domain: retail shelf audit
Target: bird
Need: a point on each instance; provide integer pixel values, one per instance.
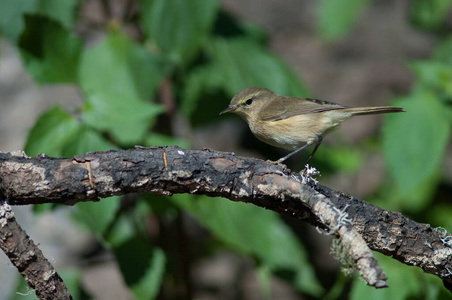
(293, 123)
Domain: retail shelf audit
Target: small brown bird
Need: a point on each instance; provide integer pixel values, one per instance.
(293, 123)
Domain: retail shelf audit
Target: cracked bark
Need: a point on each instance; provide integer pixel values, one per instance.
(169, 170)
(37, 271)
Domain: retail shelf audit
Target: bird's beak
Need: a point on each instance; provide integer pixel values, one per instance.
(229, 109)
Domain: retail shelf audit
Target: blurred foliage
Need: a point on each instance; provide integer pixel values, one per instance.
(415, 155)
(430, 15)
(206, 56)
(337, 17)
(410, 283)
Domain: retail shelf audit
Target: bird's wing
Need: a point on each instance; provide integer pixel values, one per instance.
(287, 107)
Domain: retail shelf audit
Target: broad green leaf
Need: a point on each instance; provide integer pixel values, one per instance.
(119, 77)
(97, 216)
(430, 14)
(12, 14)
(128, 223)
(178, 27)
(335, 18)
(86, 140)
(414, 143)
(53, 130)
(62, 11)
(254, 231)
(12, 21)
(50, 52)
(199, 81)
(127, 118)
(435, 75)
(142, 267)
(119, 66)
(402, 280)
(241, 63)
(122, 230)
(235, 64)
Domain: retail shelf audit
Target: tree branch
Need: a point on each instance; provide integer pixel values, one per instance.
(28, 258)
(169, 170)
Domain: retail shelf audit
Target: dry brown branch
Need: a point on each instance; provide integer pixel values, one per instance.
(169, 170)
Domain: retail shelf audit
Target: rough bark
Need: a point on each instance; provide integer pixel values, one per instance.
(28, 258)
(169, 170)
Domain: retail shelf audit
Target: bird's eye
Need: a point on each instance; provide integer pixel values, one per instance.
(249, 101)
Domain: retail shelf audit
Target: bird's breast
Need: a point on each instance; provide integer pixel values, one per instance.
(291, 133)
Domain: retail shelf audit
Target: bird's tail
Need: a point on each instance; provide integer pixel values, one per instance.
(372, 110)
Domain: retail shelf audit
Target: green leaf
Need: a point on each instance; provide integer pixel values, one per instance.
(118, 77)
(122, 229)
(178, 27)
(414, 143)
(235, 64)
(127, 118)
(119, 66)
(337, 17)
(241, 63)
(434, 75)
(430, 14)
(12, 14)
(50, 52)
(86, 140)
(142, 267)
(97, 216)
(198, 81)
(254, 231)
(12, 22)
(61, 11)
(53, 130)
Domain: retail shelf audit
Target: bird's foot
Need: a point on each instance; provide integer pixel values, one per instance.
(277, 163)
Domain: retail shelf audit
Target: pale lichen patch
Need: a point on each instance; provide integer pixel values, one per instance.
(5, 214)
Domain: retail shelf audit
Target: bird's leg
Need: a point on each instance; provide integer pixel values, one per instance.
(292, 153)
(315, 149)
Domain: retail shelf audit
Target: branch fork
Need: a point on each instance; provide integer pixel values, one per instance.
(361, 226)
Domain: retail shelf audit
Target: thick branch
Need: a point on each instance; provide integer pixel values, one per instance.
(28, 258)
(168, 170)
